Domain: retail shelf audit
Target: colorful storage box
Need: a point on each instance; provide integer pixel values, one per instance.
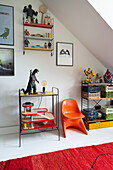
(107, 112)
(107, 109)
(107, 88)
(91, 89)
(106, 94)
(108, 116)
(91, 95)
(98, 125)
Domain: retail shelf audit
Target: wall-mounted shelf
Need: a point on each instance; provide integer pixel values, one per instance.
(38, 25)
(38, 38)
(40, 49)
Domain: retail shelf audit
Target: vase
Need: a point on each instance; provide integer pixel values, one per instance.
(108, 77)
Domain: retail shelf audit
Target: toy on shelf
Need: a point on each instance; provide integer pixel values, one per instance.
(108, 77)
(98, 78)
(45, 45)
(48, 20)
(38, 35)
(26, 42)
(30, 12)
(31, 83)
(37, 46)
(49, 44)
(28, 108)
(36, 20)
(35, 115)
(88, 74)
(26, 32)
(43, 10)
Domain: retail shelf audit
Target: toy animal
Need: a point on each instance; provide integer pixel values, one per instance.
(30, 12)
(31, 83)
(88, 74)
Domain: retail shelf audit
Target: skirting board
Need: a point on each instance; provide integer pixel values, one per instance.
(9, 130)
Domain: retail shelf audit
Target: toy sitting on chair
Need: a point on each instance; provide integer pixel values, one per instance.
(88, 73)
(31, 83)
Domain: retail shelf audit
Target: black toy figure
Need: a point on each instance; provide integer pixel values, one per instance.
(30, 12)
(31, 83)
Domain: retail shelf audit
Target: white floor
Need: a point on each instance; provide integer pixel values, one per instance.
(37, 143)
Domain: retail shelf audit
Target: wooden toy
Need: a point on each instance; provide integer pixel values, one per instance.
(48, 20)
(43, 10)
(35, 115)
(28, 108)
(88, 74)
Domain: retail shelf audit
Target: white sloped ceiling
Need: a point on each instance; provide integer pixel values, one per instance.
(80, 18)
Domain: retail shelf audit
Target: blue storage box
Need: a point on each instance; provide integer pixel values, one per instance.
(91, 89)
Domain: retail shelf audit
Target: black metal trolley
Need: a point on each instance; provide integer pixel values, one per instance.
(54, 94)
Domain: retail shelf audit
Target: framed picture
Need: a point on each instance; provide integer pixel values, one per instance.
(6, 62)
(6, 25)
(64, 54)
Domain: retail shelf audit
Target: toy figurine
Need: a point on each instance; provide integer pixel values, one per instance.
(31, 84)
(45, 45)
(26, 32)
(36, 20)
(49, 44)
(88, 73)
(26, 42)
(97, 78)
(30, 12)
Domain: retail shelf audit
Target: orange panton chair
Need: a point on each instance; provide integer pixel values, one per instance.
(71, 116)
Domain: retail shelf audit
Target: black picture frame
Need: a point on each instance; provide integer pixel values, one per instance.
(6, 25)
(6, 62)
(64, 54)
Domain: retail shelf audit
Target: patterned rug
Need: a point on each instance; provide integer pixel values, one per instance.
(95, 157)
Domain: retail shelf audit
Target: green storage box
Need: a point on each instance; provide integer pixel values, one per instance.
(106, 94)
(108, 116)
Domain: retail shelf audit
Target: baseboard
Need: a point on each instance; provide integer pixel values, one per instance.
(9, 130)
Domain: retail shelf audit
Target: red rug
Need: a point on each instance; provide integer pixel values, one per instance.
(96, 157)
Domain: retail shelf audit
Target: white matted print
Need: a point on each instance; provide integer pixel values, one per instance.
(64, 54)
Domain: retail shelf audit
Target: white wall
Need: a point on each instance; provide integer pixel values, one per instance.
(67, 79)
(105, 9)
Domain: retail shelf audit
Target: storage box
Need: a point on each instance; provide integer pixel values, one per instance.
(98, 125)
(107, 88)
(107, 112)
(91, 95)
(107, 109)
(106, 94)
(91, 89)
(108, 116)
